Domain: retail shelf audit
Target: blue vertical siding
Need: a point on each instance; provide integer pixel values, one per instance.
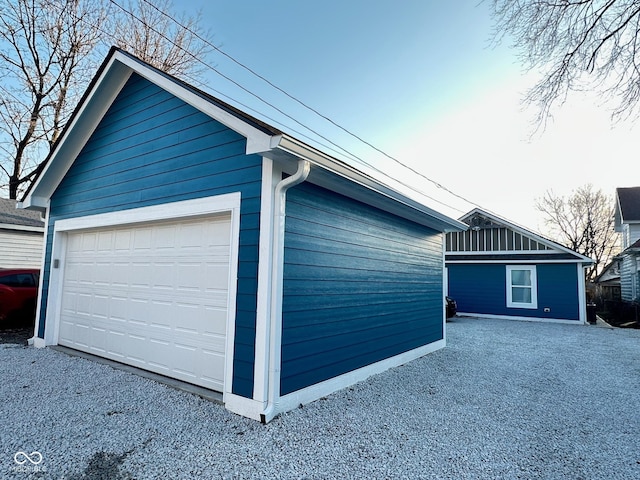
(481, 289)
(360, 286)
(152, 148)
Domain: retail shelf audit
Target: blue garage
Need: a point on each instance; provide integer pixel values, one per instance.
(190, 239)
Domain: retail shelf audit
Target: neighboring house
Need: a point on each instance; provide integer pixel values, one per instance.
(608, 282)
(499, 269)
(627, 223)
(187, 238)
(21, 236)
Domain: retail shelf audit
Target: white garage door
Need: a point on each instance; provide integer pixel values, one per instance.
(153, 296)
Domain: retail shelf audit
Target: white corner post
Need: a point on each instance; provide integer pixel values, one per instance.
(274, 327)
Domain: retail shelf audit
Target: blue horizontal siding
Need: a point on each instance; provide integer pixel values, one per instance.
(360, 285)
(152, 148)
(481, 289)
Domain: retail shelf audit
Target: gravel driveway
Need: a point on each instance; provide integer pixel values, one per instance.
(503, 400)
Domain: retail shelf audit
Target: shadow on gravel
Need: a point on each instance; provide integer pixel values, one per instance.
(105, 466)
(17, 335)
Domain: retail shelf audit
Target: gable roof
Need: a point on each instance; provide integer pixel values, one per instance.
(479, 219)
(627, 207)
(633, 248)
(262, 139)
(12, 218)
(611, 272)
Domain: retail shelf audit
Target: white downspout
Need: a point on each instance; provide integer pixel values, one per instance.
(275, 318)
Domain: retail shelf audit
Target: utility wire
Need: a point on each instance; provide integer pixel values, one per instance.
(344, 150)
(303, 104)
(362, 161)
(226, 77)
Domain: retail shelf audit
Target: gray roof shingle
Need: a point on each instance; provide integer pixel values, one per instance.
(629, 201)
(10, 215)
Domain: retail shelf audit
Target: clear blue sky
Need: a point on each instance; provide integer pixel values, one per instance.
(418, 79)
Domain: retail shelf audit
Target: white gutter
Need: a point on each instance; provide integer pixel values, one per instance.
(275, 318)
(299, 149)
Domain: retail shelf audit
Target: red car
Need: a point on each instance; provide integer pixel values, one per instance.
(18, 295)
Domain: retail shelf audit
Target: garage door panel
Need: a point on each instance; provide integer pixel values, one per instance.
(153, 296)
(88, 242)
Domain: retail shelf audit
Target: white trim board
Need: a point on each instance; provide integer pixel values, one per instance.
(533, 286)
(335, 384)
(516, 261)
(521, 319)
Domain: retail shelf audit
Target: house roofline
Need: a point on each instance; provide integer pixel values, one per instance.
(261, 138)
(22, 228)
(525, 231)
(291, 145)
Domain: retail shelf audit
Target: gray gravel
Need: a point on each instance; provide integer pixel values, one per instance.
(503, 400)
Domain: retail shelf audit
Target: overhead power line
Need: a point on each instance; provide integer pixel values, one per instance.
(305, 105)
(341, 150)
(258, 97)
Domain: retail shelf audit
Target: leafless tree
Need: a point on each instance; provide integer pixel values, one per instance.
(582, 221)
(577, 45)
(49, 49)
(173, 43)
(43, 65)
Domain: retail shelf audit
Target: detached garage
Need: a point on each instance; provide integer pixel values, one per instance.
(189, 239)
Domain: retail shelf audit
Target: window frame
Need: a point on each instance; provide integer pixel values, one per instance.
(534, 287)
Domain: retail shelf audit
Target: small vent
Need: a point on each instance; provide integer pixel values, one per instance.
(480, 222)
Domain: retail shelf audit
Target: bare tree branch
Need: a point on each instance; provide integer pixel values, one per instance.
(50, 49)
(583, 222)
(577, 45)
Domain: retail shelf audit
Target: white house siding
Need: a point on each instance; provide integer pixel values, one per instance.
(633, 233)
(629, 278)
(19, 249)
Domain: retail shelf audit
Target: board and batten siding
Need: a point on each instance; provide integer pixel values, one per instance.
(152, 148)
(481, 289)
(20, 249)
(360, 285)
(498, 239)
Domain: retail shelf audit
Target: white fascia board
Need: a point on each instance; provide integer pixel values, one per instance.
(517, 262)
(505, 252)
(617, 215)
(34, 203)
(90, 113)
(78, 132)
(528, 233)
(22, 228)
(257, 140)
(301, 150)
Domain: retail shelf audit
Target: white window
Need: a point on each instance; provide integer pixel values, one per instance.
(522, 291)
